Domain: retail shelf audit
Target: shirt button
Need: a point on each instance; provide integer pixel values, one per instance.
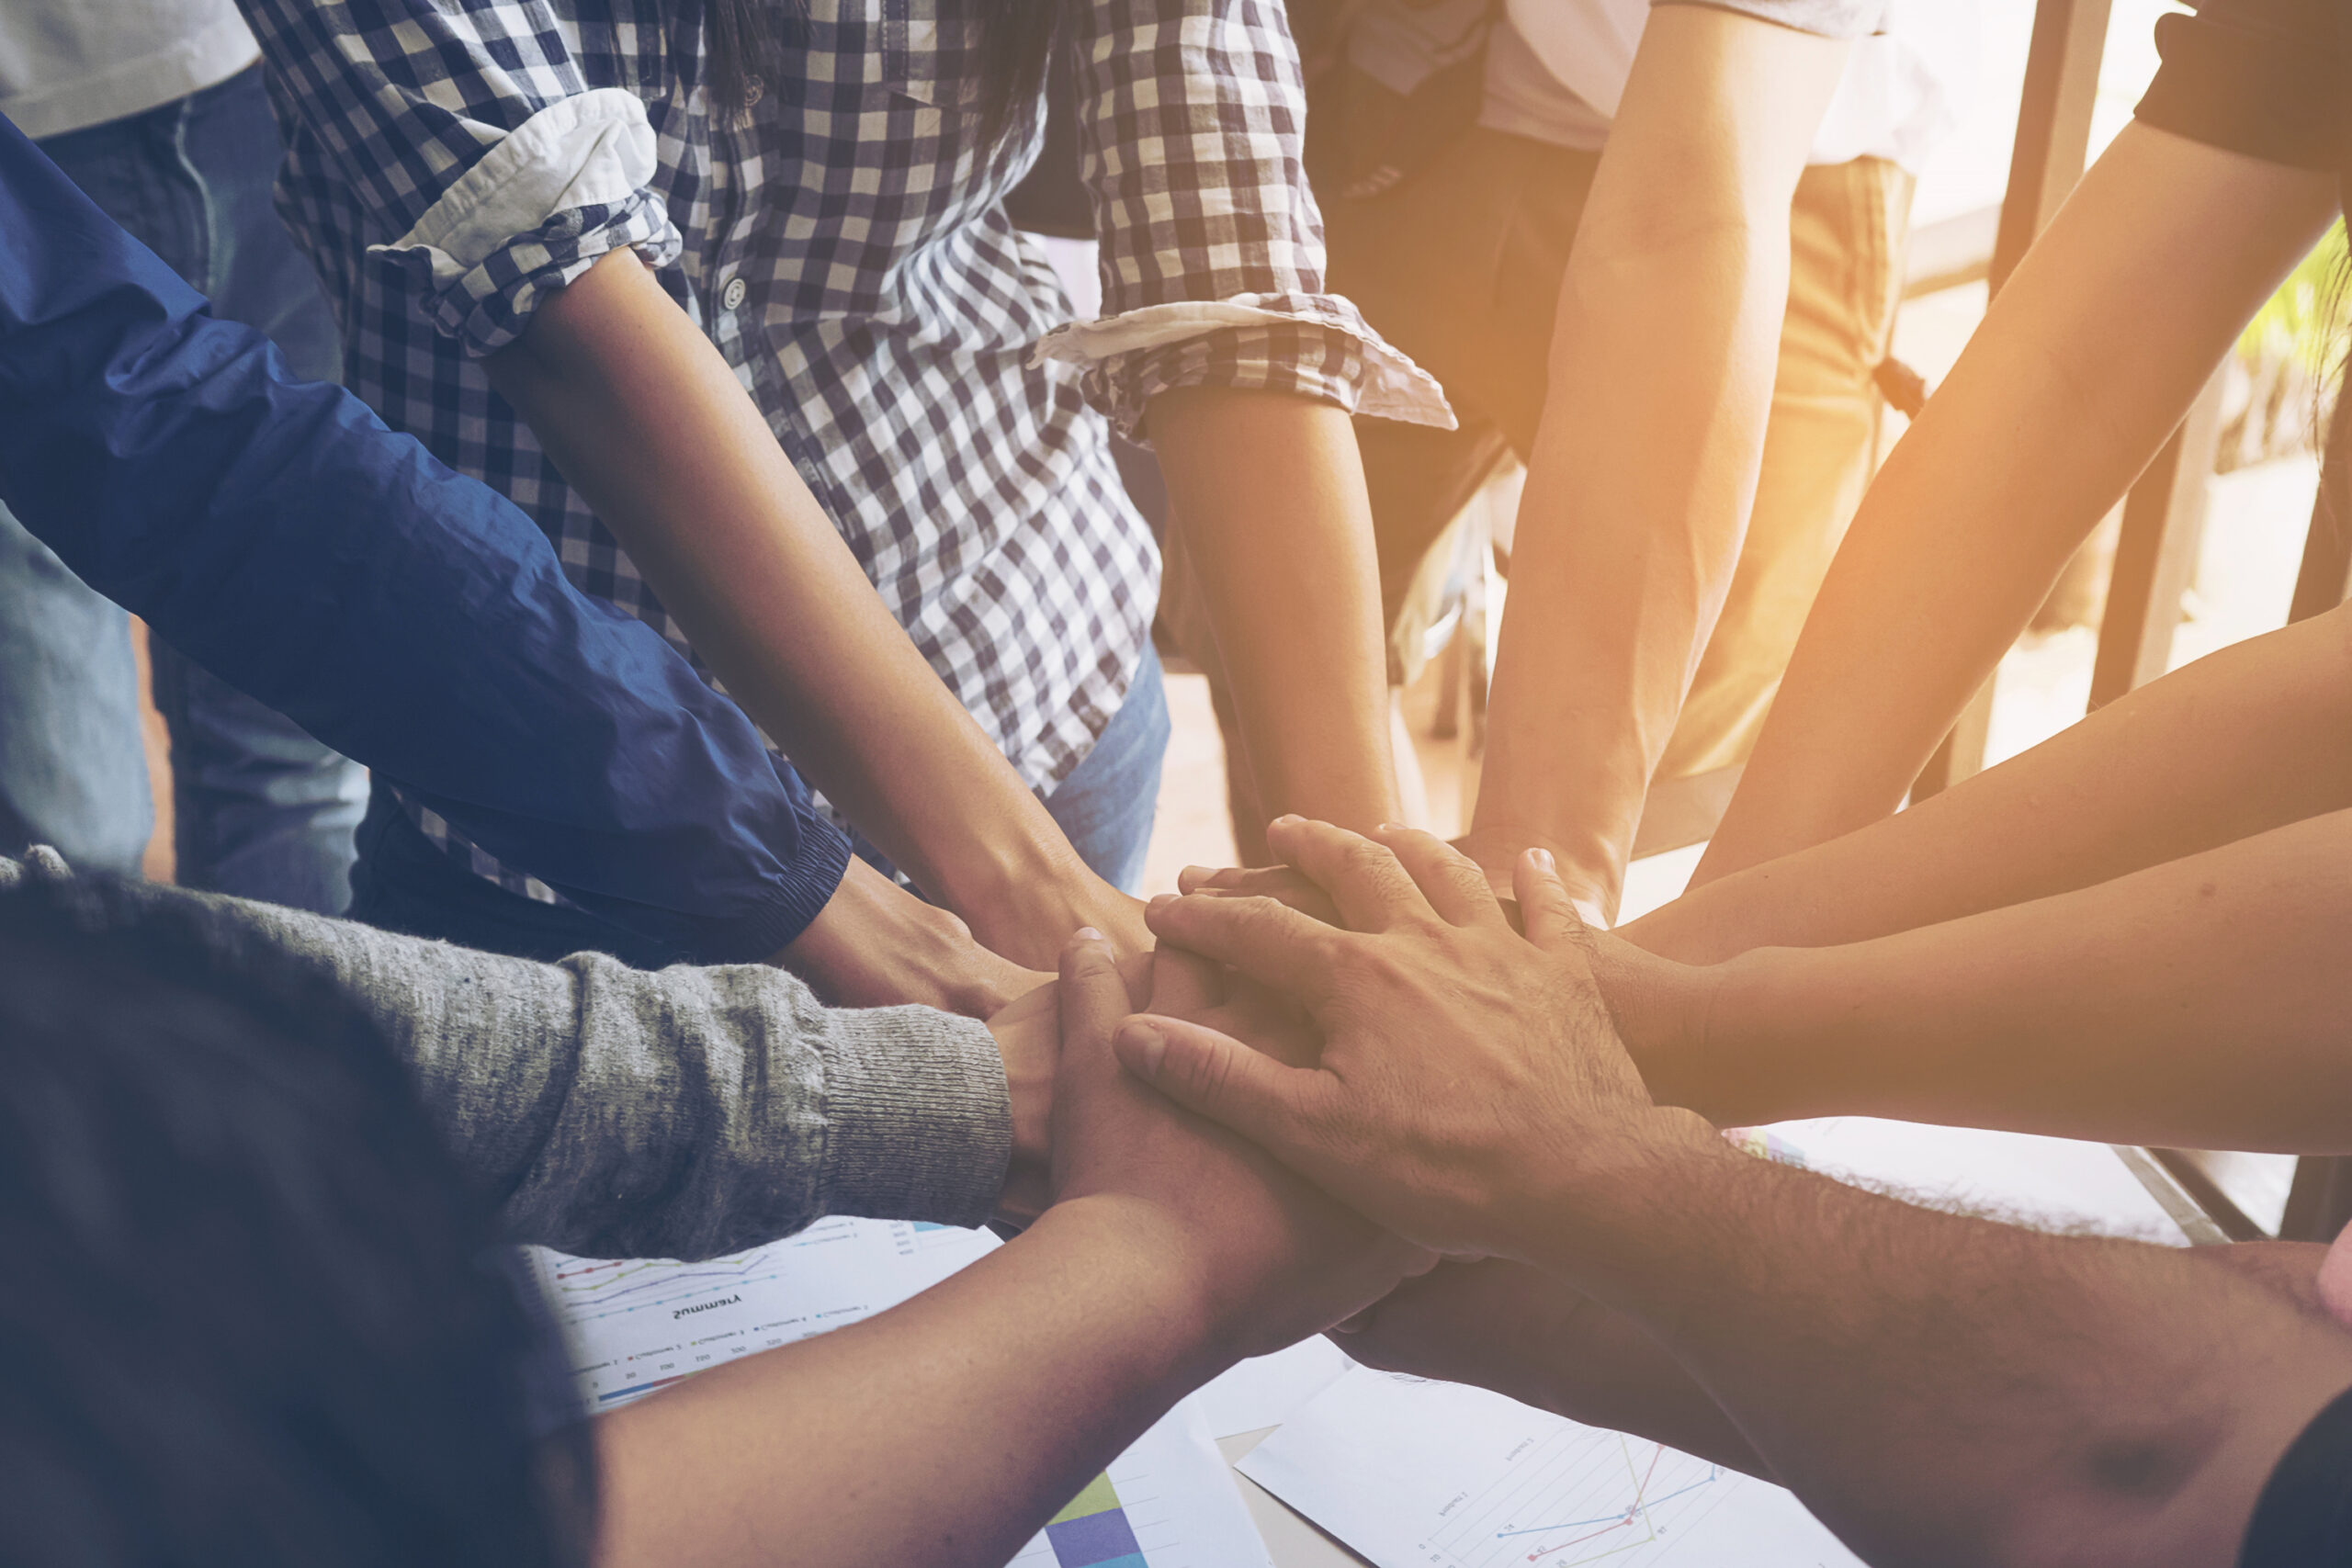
(732, 294)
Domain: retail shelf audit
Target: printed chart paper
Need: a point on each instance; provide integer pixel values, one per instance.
(1168, 1502)
(1418, 1474)
(635, 1326)
(1266, 1390)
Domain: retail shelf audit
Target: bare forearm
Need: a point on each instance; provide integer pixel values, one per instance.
(1942, 1390)
(2198, 1003)
(2245, 740)
(924, 1435)
(648, 422)
(1645, 460)
(1629, 528)
(2081, 368)
(1270, 493)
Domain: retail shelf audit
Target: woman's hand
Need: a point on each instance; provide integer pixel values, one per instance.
(1471, 1088)
(1272, 1260)
(876, 944)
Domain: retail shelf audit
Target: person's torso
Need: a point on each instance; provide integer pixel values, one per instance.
(846, 250)
(1556, 69)
(66, 64)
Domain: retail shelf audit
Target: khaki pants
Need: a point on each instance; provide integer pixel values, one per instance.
(1460, 267)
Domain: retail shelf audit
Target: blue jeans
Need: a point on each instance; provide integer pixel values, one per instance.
(1107, 805)
(260, 809)
(406, 882)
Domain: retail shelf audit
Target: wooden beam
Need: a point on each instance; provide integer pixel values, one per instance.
(2155, 555)
(2052, 146)
(2053, 123)
(2326, 576)
(2320, 1203)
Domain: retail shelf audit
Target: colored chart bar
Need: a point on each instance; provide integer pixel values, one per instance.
(1092, 1531)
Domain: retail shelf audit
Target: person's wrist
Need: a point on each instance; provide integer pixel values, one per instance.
(1589, 865)
(1025, 897)
(1664, 1012)
(1171, 1263)
(1622, 1192)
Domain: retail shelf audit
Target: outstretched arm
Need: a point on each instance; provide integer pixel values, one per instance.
(2082, 367)
(2244, 740)
(649, 423)
(1269, 490)
(2198, 1003)
(621, 1113)
(1938, 1389)
(1646, 459)
(927, 1434)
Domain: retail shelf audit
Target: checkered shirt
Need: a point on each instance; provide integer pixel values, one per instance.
(847, 251)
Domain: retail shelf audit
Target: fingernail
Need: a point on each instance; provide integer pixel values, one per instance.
(1159, 902)
(1286, 819)
(1087, 933)
(1144, 1046)
(1545, 863)
(1389, 827)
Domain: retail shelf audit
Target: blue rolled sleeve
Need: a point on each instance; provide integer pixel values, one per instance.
(276, 533)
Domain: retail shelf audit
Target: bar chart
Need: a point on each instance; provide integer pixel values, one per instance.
(1094, 1531)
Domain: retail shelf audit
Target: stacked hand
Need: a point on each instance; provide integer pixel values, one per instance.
(1272, 1260)
(1471, 1086)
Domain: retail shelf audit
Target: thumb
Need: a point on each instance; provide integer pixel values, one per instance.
(1221, 1078)
(1546, 911)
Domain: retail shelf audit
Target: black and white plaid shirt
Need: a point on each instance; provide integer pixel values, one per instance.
(451, 162)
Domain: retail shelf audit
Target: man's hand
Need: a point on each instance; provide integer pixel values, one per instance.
(1470, 1087)
(876, 944)
(1662, 1009)
(1272, 1259)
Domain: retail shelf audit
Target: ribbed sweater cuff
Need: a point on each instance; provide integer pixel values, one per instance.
(920, 1119)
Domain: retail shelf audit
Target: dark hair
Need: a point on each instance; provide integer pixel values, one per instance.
(745, 41)
(253, 1315)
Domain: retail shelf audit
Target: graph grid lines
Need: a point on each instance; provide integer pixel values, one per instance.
(1577, 1496)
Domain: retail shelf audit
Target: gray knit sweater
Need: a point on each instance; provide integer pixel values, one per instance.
(616, 1113)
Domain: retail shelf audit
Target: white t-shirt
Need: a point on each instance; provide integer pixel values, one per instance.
(66, 64)
(1556, 69)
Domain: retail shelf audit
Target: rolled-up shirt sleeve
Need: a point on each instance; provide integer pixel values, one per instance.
(1191, 119)
(278, 534)
(495, 173)
(2261, 77)
(1829, 19)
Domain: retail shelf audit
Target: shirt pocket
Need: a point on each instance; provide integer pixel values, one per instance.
(930, 52)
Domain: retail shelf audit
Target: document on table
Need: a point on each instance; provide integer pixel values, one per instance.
(638, 1324)
(1419, 1474)
(2047, 1183)
(1264, 1391)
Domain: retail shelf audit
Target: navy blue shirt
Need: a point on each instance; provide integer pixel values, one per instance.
(276, 533)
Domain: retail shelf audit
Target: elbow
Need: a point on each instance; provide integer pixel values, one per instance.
(2123, 1498)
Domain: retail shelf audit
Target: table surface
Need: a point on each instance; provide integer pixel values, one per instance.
(1292, 1541)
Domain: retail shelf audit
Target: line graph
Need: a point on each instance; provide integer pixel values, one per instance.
(1578, 1495)
(1636, 1514)
(1414, 1474)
